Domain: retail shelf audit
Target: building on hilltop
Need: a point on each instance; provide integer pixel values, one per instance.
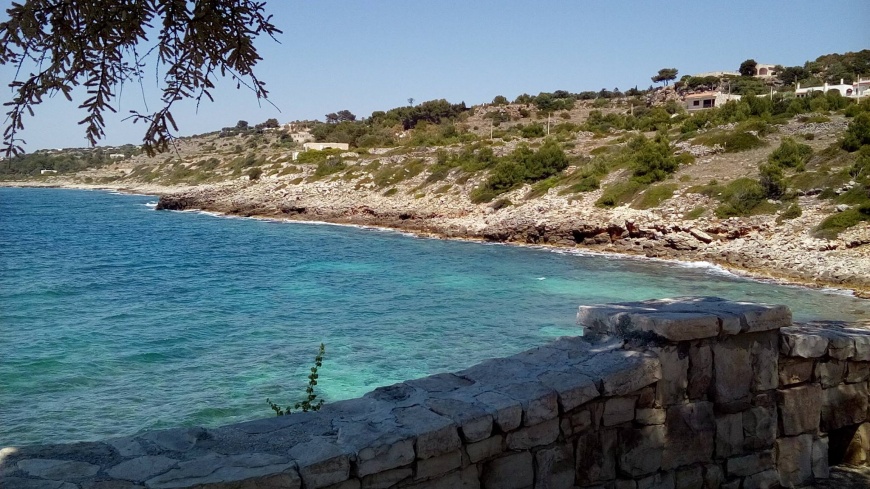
(719, 74)
(707, 100)
(322, 146)
(861, 88)
(765, 70)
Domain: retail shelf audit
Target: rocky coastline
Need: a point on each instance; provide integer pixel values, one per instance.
(755, 246)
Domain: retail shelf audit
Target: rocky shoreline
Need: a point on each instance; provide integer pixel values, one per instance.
(756, 247)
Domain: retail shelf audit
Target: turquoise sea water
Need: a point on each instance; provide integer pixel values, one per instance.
(115, 318)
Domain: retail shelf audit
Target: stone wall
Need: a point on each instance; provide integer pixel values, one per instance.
(678, 393)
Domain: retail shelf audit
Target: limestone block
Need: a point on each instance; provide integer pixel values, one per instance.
(821, 469)
(857, 372)
(618, 410)
(533, 436)
(540, 403)
(348, 484)
(700, 374)
(747, 465)
(800, 409)
(625, 484)
(732, 367)
(682, 319)
(228, 469)
(576, 422)
(113, 484)
(759, 427)
(58, 469)
(795, 370)
(440, 383)
(21, 483)
(474, 422)
(690, 436)
(176, 439)
(729, 435)
(675, 326)
(127, 446)
(436, 466)
(596, 457)
(768, 479)
(802, 341)
(554, 468)
(840, 345)
(142, 468)
(830, 373)
(732, 484)
(506, 412)
(573, 387)
(460, 479)
(627, 372)
(861, 337)
(435, 435)
(713, 476)
(321, 462)
(650, 416)
(372, 460)
(646, 397)
(485, 449)
(671, 389)
(640, 450)
(385, 479)
(765, 361)
(858, 449)
(794, 460)
(513, 471)
(657, 481)
(844, 405)
(690, 477)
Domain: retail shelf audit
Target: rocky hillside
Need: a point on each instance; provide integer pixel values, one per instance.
(773, 194)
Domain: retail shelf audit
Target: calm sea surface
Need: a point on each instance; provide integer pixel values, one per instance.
(115, 318)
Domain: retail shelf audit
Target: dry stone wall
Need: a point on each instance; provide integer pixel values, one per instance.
(677, 393)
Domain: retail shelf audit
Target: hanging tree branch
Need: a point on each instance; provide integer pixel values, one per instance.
(93, 44)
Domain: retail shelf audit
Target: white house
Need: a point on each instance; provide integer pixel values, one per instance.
(861, 88)
(707, 100)
(48, 172)
(765, 70)
(322, 146)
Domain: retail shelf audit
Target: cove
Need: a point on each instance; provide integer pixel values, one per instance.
(115, 318)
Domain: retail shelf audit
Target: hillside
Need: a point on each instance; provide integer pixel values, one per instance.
(756, 185)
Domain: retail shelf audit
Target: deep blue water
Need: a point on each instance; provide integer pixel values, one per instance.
(115, 318)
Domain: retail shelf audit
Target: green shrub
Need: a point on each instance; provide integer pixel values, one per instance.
(836, 223)
(791, 154)
(532, 131)
(858, 133)
(740, 198)
(586, 184)
(309, 403)
(791, 212)
(391, 192)
(255, 173)
(619, 193)
(332, 164)
(731, 141)
(655, 195)
(772, 180)
(500, 203)
(695, 213)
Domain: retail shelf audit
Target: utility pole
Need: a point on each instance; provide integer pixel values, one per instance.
(548, 123)
(490, 129)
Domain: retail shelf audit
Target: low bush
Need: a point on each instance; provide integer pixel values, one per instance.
(655, 195)
(791, 154)
(834, 224)
(740, 198)
(791, 212)
(619, 193)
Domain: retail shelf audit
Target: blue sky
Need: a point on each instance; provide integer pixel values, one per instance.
(366, 56)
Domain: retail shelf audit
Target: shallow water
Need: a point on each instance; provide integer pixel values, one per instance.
(115, 318)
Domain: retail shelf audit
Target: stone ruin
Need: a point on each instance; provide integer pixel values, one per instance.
(675, 393)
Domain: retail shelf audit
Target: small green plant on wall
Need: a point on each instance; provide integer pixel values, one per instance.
(311, 403)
